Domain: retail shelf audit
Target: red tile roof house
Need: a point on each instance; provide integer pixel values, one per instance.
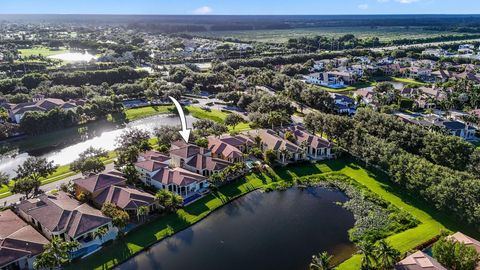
(112, 188)
(316, 147)
(287, 152)
(61, 215)
(20, 243)
(230, 148)
(419, 261)
(16, 112)
(161, 175)
(468, 241)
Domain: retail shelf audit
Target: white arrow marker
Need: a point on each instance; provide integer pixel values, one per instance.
(184, 132)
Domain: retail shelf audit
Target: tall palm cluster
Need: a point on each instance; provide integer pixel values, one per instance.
(379, 256)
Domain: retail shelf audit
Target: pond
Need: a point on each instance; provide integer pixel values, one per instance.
(74, 57)
(105, 139)
(276, 230)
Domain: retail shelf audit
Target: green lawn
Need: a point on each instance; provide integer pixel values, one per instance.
(407, 81)
(43, 51)
(431, 222)
(137, 113)
(216, 116)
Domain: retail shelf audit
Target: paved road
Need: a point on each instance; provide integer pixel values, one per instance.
(50, 186)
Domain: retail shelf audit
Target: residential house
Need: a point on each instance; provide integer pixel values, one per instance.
(325, 79)
(467, 240)
(457, 128)
(112, 188)
(230, 148)
(162, 173)
(206, 165)
(20, 243)
(286, 151)
(38, 104)
(419, 261)
(63, 216)
(316, 148)
(366, 95)
(344, 104)
(128, 199)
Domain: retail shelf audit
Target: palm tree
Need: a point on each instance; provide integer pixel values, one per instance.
(169, 200)
(142, 211)
(55, 254)
(285, 154)
(386, 255)
(100, 233)
(177, 201)
(321, 261)
(367, 250)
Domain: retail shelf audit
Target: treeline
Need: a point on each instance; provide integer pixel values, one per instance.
(95, 109)
(97, 77)
(377, 140)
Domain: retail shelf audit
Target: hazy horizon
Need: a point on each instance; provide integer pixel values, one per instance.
(245, 7)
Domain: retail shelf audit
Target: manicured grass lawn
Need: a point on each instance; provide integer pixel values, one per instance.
(137, 113)
(407, 81)
(216, 116)
(432, 223)
(43, 51)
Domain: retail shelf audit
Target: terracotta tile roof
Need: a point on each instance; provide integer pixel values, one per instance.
(100, 181)
(419, 261)
(177, 176)
(154, 155)
(220, 147)
(274, 142)
(467, 240)
(18, 239)
(188, 151)
(150, 165)
(237, 140)
(125, 197)
(302, 135)
(201, 162)
(62, 212)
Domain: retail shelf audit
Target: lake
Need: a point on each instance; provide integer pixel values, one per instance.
(277, 230)
(68, 152)
(74, 57)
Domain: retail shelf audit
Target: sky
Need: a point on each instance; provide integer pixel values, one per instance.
(240, 7)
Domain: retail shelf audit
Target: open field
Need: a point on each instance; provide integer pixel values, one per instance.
(280, 36)
(431, 225)
(43, 51)
(216, 116)
(142, 112)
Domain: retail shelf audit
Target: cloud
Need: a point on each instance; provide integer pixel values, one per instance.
(203, 10)
(363, 6)
(399, 1)
(407, 1)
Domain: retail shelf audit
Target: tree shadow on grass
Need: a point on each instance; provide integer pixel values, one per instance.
(446, 219)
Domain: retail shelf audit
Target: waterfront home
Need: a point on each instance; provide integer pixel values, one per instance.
(206, 165)
(419, 261)
(230, 148)
(128, 199)
(112, 188)
(96, 184)
(61, 215)
(165, 175)
(181, 181)
(38, 104)
(316, 148)
(20, 243)
(286, 151)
